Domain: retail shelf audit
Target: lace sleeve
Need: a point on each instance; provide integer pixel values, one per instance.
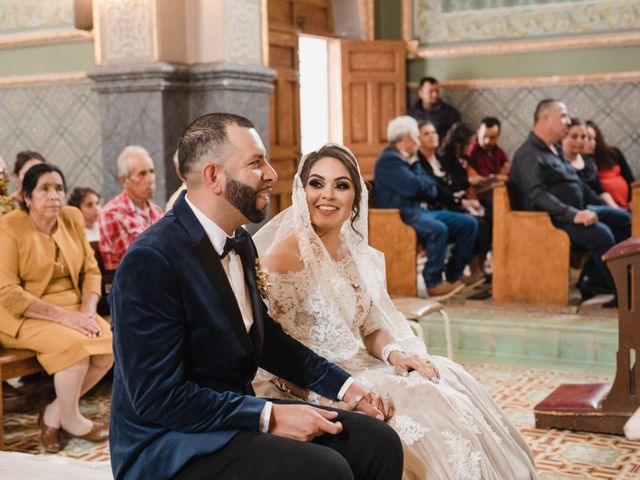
(283, 296)
(372, 322)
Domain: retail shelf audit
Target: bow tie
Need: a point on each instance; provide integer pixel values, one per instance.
(235, 243)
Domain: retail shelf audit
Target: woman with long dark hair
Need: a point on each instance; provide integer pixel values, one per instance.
(613, 170)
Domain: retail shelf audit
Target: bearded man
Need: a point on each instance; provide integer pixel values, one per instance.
(190, 330)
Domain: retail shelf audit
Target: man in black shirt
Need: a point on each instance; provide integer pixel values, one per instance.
(546, 181)
(430, 107)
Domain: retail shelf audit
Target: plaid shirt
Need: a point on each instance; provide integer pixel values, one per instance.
(120, 223)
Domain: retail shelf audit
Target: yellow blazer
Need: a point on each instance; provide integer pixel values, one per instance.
(26, 269)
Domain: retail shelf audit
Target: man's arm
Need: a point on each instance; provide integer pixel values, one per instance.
(149, 339)
(397, 175)
(527, 175)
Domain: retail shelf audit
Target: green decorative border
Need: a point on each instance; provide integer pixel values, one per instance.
(432, 26)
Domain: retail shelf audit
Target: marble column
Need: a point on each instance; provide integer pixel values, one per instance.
(163, 63)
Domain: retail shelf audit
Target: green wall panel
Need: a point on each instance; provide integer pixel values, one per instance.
(534, 64)
(49, 58)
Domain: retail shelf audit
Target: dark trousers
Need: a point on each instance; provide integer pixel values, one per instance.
(613, 226)
(365, 449)
(437, 228)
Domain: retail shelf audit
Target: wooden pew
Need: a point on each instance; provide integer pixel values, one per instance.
(14, 363)
(398, 241)
(530, 255)
(531, 258)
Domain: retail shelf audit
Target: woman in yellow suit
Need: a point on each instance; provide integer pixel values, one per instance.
(49, 289)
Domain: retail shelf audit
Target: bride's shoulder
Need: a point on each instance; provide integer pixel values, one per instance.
(283, 256)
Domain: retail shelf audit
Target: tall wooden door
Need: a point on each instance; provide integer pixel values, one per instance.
(373, 93)
(287, 19)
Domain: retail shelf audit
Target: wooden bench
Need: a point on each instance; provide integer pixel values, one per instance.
(531, 257)
(14, 363)
(398, 241)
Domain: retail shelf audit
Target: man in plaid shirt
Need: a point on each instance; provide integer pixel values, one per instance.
(129, 214)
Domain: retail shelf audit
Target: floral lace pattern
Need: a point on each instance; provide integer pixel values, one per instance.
(408, 429)
(464, 461)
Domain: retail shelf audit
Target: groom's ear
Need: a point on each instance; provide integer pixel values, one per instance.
(213, 178)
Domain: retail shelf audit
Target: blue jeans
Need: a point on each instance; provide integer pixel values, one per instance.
(437, 228)
(613, 226)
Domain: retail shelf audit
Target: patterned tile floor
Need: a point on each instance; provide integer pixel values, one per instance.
(559, 454)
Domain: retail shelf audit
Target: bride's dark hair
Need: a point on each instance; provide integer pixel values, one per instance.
(344, 156)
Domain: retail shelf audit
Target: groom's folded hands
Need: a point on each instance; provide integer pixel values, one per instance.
(303, 422)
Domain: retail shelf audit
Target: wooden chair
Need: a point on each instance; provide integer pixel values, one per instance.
(14, 363)
(531, 257)
(107, 280)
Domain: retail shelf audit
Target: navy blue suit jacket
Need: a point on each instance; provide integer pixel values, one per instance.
(184, 360)
(400, 185)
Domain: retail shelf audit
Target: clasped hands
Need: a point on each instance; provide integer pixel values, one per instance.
(83, 321)
(305, 422)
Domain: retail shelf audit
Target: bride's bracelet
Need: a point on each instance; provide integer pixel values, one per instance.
(387, 349)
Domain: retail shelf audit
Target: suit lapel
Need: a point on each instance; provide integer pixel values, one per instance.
(248, 258)
(210, 261)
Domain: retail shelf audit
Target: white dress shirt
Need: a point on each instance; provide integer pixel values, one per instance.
(235, 273)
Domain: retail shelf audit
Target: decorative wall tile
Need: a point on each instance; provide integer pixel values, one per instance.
(614, 106)
(442, 21)
(61, 121)
(126, 30)
(244, 31)
(21, 15)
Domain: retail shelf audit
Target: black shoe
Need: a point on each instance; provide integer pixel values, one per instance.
(611, 303)
(481, 295)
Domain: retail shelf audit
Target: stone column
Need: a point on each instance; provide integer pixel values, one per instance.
(163, 63)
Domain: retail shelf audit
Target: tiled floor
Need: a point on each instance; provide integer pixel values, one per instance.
(559, 455)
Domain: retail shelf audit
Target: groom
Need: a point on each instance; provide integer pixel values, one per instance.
(190, 330)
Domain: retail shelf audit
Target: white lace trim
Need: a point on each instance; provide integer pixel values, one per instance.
(464, 461)
(412, 380)
(408, 429)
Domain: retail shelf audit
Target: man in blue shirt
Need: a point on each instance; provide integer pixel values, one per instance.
(400, 182)
(546, 181)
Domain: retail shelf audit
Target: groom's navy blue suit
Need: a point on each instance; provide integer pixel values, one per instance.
(184, 360)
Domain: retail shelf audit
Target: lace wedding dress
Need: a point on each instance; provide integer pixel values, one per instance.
(451, 430)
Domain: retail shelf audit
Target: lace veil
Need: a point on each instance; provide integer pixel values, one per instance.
(368, 261)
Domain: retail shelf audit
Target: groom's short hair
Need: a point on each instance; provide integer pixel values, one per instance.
(207, 135)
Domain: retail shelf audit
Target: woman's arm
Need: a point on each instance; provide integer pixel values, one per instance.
(82, 322)
(608, 199)
(382, 345)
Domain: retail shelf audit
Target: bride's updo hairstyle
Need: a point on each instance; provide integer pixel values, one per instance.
(344, 156)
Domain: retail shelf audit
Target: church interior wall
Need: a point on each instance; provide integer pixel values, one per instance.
(500, 57)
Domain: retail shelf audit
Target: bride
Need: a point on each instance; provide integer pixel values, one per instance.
(326, 287)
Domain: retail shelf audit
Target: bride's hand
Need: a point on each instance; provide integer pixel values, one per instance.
(404, 364)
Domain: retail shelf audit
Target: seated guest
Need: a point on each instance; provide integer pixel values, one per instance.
(183, 186)
(546, 181)
(573, 145)
(430, 106)
(129, 214)
(24, 161)
(88, 201)
(487, 158)
(401, 182)
(49, 287)
(613, 170)
(450, 195)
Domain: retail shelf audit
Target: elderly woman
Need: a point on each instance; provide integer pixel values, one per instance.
(49, 288)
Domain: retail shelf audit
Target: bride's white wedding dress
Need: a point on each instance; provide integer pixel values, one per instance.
(450, 430)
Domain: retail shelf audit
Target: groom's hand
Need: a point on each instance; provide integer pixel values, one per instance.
(302, 422)
(369, 402)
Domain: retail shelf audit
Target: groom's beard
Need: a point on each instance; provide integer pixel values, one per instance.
(245, 198)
